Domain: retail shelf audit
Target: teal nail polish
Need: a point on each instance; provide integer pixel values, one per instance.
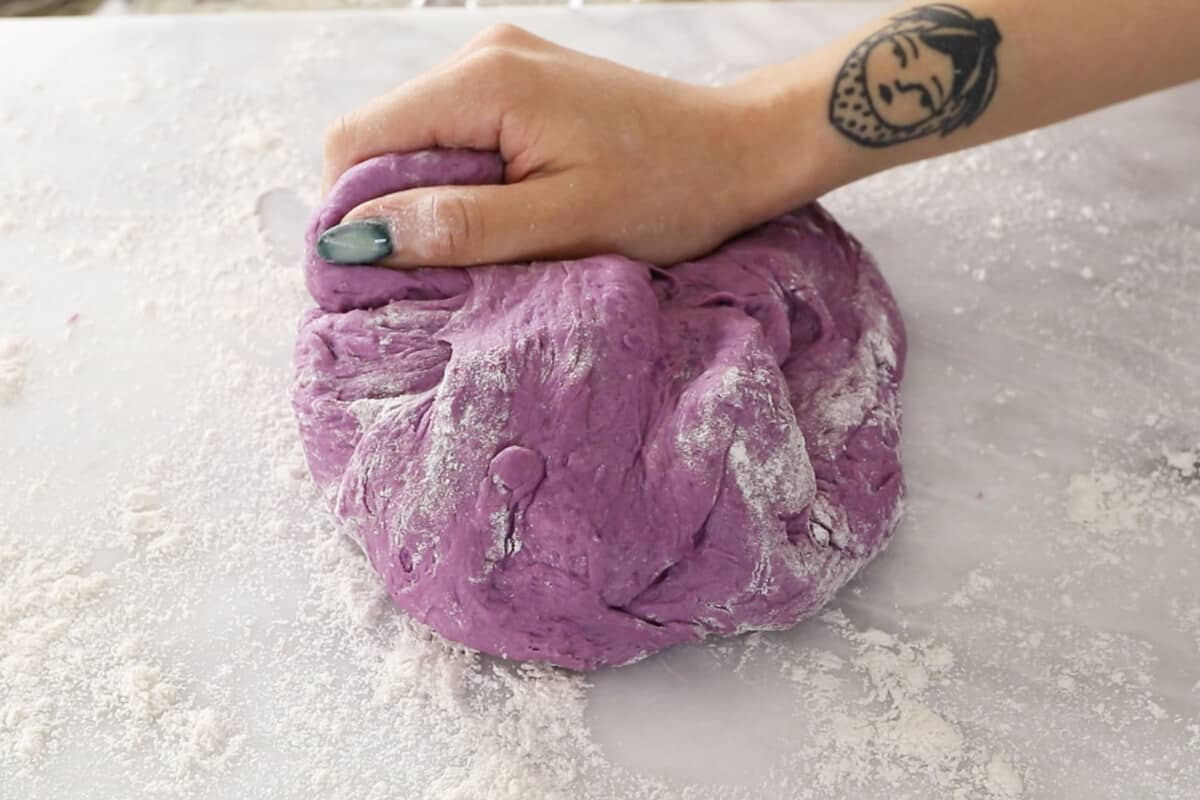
(363, 241)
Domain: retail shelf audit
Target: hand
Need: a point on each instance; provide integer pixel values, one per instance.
(599, 158)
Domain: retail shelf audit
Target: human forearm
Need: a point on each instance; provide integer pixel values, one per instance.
(603, 158)
(931, 79)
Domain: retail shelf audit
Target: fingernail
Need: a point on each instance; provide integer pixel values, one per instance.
(363, 241)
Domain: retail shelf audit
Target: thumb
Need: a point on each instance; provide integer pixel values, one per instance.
(459, 226)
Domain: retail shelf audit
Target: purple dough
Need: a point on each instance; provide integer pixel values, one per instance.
(585, 462)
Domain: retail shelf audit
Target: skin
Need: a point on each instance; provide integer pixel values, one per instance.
(907, 82)
(603, 158)
(563, 122)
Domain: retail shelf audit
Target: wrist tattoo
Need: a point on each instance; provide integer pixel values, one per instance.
(932, 69)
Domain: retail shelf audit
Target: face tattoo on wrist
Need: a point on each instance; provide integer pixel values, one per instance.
(931, 70)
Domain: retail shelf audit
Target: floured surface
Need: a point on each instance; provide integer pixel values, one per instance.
(177, 620)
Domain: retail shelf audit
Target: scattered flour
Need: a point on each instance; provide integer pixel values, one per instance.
(201, 631)
(1119, 508)
(13, 358)
(893, 728)
(1106, 502)
(1184, 462)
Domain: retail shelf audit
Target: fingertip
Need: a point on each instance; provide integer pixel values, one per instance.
(360, 242)
(383, 232)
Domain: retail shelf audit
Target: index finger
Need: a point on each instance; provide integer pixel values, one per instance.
(441, 109)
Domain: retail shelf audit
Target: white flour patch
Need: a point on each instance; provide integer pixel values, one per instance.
(894, 727)
(13, 357)
(1185, 462)
(1119, 508)
(1106, 502)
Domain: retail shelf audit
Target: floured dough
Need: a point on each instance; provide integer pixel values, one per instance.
(584, 462)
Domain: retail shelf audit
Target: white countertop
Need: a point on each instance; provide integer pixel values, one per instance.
(177, 619)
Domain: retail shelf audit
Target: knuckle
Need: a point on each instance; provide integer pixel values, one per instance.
(340, 136)
(496, 74)
(501, 34)
(455, 226)
(497, 61)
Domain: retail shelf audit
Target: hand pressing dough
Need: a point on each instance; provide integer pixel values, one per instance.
(585, 462)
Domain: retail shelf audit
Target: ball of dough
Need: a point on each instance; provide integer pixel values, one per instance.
(584, 462)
